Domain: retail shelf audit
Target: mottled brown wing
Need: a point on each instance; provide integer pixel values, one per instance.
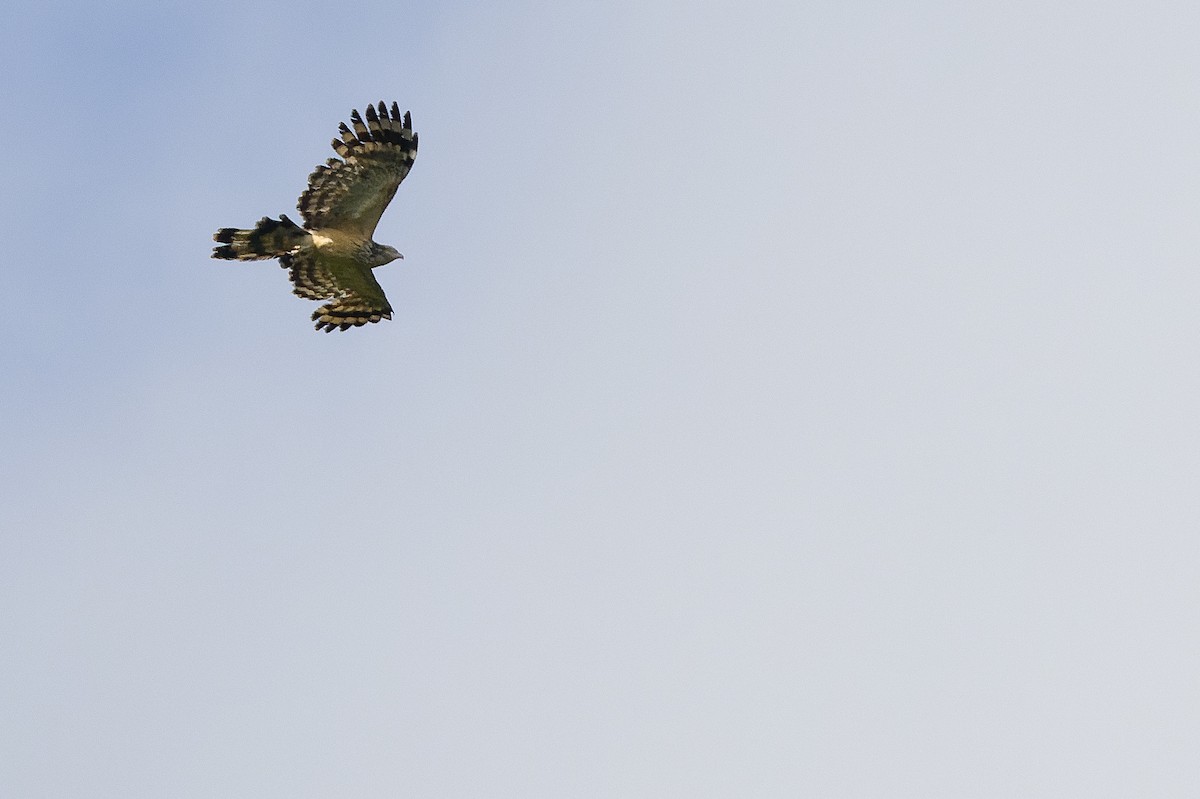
(351, 194)
(357, 296)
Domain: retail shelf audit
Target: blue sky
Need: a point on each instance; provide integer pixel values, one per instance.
(782, 399)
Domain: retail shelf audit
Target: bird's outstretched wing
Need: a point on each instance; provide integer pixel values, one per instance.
(350, 194)
(357, 296)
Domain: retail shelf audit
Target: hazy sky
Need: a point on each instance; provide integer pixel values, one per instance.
(783, 399)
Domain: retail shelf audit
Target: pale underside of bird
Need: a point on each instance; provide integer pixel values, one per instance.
(330, 256)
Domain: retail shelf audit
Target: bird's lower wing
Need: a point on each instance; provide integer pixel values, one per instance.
(357, 298)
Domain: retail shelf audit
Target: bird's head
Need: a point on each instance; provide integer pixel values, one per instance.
(381, 254)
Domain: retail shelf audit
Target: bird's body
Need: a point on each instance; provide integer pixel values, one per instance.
(331, 256)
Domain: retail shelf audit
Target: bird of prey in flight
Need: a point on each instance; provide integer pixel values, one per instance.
(331, 256)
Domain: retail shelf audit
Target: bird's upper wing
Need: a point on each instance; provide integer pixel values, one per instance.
(351, 194)
(357, 296)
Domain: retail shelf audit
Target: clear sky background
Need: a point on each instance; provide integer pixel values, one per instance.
(783, 399)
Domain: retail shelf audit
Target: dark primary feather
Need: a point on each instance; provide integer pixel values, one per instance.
(351, 194)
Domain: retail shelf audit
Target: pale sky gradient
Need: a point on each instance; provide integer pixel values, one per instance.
(783, 400)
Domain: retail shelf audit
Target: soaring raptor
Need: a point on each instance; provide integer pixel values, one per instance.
(332, 255)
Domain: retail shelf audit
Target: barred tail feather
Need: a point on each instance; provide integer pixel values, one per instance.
(270, 238)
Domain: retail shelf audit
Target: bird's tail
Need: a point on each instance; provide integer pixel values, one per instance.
(270, 238)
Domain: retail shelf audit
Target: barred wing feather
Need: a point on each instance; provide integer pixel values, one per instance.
(357, 297)
(351, 193)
